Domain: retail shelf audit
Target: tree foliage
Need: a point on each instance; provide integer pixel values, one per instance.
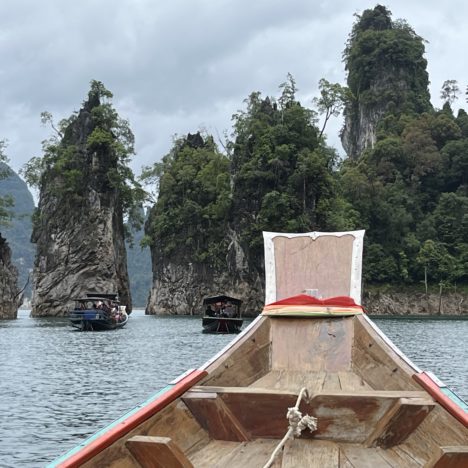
(6, 201)
(89, 150)
(192, 208)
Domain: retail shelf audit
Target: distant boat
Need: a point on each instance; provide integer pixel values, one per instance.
(98, 312)
(311, 382)
(222, 315)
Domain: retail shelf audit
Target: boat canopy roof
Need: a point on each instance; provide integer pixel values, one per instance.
(95, 298)
(111, 296)
(215, 299)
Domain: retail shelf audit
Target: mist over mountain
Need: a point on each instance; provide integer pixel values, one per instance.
(18, 231)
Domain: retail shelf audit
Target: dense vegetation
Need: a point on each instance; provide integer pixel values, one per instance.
(409, 191)
(278, 174)
(98, 156)
(17, 230)
(6, 201)
(194, 200)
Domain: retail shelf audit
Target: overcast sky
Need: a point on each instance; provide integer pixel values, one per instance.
(176, 66)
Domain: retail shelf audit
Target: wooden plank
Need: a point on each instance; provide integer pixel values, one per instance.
(311, 454)
(361, 457)
(398, 458)
(331, 383)
(157, 452)
(450, 457)
(246, 454)
(247, 361)
(350, 381)
(213, 415)
(302, 344)
(400, 421)
(376, 363)
(239, 414)
(323, 263)
(214, 452)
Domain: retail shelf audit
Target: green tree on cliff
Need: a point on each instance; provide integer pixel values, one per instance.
(192, 208)
(282, 170)
(109, 143)
(6, 202)
(410, 188)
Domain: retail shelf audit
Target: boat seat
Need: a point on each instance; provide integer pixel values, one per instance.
(450, 457)
(367, 417)
(157, 452)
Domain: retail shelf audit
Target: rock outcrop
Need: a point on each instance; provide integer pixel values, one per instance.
(386, 74)
(78, 226)
(179, 286)
(399, 303)
(10, 297)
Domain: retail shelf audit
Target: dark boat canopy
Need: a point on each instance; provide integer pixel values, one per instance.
(215, 299)
(111, 296)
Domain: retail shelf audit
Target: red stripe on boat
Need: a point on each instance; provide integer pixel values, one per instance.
(115, 433)
(434, 390)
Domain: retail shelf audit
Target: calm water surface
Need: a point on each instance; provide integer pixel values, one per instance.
(58, 386)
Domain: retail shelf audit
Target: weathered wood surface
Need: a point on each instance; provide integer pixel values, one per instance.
(175, 421)
(251, 412)
(310, 454)
(375, 362)
(450, 457)
(400, 421)
(313, 381)
(360, 457)
(221, 454)
(438, 429)
(304, 263)
(214, 416)
(157, 452)
(302, 344)
(247, 361)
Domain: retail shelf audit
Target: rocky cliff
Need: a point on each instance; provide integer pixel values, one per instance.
(10, 298)
(179, 286)
(386, 74)
(78, 227)
(416, 304)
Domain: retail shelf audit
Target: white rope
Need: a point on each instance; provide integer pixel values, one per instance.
(297, 423)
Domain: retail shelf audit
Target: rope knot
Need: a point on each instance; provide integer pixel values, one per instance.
(297, 422)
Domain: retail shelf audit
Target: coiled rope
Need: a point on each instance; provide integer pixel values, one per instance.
(297, 423)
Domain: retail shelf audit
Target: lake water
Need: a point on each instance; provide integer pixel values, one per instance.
(58, 386)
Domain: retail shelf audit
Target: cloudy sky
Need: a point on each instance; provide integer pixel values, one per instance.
(176, 66)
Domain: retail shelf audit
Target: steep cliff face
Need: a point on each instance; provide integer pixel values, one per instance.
(10, 298)
(386, 74)
(195, 252)
(78, 226)
(179, 286)
(416, 304)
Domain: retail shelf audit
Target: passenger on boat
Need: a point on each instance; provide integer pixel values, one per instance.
(209, 312)
(229, 310)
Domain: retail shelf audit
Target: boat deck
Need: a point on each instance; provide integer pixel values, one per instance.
(370, 412)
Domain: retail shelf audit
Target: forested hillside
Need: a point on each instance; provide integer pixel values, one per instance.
(409, 186)
(18, 227)
(404, 180)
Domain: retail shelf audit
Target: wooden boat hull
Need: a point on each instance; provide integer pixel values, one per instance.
(231, 412)
(221, 325)
(94, 320)
(373, 406)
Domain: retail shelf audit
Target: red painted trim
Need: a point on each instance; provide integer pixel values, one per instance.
(115, 433)
(433, 389)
